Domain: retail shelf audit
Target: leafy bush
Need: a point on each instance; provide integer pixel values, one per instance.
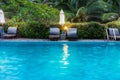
(91, 30)
(81, 15)
(25, 11)
(96, 10)
(109, 17)
(115, 24)
(87, 30)
(31, 18)
(32, 30)
(69, 16)
(99, 7)
(81, 11)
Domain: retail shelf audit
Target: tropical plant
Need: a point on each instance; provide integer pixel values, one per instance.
(81, 15)
(106, 17)
(23, 10)
(115, 3)
(99, 7)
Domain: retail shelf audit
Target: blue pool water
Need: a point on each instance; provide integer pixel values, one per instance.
(59, 60)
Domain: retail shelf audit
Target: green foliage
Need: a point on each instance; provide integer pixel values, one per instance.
(91, 30)
(67, 5)
(99, 7)
(115, 24)
(96, 10)
(26, 11)
(81, 11)
(115, 4)
(80, 16)
(31, 19)
(109, 17)
(32, 30)
(69, 16)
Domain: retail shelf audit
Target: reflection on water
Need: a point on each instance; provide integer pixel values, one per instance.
(65, 54)
(10, 67)
(55, 61)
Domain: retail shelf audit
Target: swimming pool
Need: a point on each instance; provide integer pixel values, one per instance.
(59, 60)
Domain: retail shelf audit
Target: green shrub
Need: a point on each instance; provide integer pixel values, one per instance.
(91, 30)
(99, 7)
(32, 30)
(106, 17)
(115, 24)
(81, 15)
(96, 9)
(81, 11)
(24, 11)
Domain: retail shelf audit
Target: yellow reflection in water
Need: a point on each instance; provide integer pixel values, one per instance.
(66, 54)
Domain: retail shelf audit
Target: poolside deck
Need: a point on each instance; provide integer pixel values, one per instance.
(40, 40)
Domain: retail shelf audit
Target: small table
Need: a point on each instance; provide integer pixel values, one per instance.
(63, 36)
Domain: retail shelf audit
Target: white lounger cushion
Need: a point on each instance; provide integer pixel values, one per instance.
(113, 31)
(54, 31)
(72, 31)
(12, 30)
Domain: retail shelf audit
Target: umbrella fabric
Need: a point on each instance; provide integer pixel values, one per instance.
(62, 18)
(2, 19)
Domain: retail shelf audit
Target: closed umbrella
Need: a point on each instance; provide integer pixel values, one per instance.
(62, 18)
(2, 18)
(62, 22)
(2, 21)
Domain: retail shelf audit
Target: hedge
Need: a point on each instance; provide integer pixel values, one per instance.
(91, 30)
(31, 30)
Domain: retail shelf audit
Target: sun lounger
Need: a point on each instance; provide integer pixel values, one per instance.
(11, 32)
(113, 33)
(1, 32)
(54, 33)
(72, 33)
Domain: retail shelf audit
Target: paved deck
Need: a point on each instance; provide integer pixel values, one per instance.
(42, 40)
